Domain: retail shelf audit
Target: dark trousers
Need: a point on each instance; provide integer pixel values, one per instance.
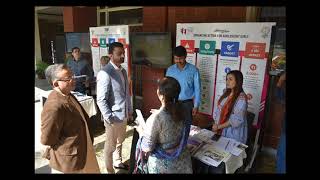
(188, 106)
(135, 138)
(202, 168)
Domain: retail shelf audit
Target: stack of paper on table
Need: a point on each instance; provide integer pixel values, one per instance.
(194, 130)
(211, 155)
(202, 147)
(229, 145)
(193, 145)
(204, 135)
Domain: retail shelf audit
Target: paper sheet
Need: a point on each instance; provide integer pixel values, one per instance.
(204, 135)
(140, 120)
(229, 145)
(211, 155)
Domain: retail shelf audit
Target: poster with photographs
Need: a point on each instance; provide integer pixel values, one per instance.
(233, 41)
(102, 37)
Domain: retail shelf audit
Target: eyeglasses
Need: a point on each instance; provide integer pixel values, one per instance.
(67, 80)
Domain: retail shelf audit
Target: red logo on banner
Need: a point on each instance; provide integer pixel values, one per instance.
(253, 67)
(122, 41)
(255, 50)
(189, 45)
(95, 42)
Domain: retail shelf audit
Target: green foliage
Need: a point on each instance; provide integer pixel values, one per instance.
(40, 68)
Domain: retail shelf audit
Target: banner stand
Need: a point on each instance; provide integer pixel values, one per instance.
(246, 47)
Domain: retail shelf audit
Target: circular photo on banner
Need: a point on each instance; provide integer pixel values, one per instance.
(227, 69)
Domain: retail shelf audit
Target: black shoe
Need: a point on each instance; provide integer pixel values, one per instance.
(131, 123)
(122, 166)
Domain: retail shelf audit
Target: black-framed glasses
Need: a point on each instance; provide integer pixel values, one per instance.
(67, 80)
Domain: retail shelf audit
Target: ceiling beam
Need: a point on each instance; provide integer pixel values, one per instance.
(38, 8)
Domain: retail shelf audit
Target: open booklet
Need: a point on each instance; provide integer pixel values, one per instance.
(203, 146)
(229, 145)
(211, 155)
(140, 119)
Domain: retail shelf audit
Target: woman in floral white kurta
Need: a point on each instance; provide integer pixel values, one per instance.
(163, 131)
(165, 136)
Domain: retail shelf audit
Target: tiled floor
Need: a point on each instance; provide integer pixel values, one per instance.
(265, 163)
(126, 148)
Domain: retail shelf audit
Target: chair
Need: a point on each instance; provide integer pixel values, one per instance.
(250, 141)
(251, 129)
(251, 137)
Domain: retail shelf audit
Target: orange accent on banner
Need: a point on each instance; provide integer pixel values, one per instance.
(123, 41)
(255, 50)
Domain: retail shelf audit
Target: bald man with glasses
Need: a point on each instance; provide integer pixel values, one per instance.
(64, 126)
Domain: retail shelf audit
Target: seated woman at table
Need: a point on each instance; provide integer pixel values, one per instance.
(230, 115)
(165, 135)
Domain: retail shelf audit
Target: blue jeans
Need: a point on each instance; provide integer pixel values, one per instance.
(281, 152)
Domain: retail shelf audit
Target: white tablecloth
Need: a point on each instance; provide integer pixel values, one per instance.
(87, 102)
(232, 162)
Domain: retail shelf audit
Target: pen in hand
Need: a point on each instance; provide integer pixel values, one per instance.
(227, 145)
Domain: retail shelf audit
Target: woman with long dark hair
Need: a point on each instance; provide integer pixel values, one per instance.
(165, 136)
(231, 112)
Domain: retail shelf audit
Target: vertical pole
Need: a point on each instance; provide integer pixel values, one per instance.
(52, 53)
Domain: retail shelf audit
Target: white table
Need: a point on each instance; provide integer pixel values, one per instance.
(232, 162)
(87, 102)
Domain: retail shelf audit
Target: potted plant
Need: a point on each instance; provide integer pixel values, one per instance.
(40, 69)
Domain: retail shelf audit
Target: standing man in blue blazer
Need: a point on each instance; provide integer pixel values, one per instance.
(114, 102)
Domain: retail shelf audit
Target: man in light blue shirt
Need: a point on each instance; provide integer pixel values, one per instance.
(189, 78)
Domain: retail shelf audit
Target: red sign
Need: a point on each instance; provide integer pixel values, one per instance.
(189, 45)
(95, 42)
(253, 67)
(122, 40)
(255, 50)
